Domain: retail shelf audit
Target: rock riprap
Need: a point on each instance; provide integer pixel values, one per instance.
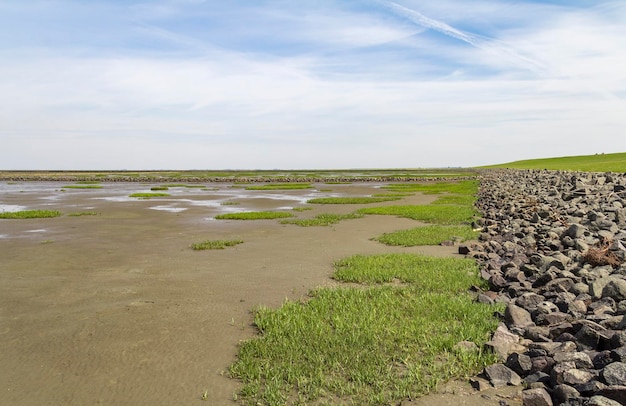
(553, 249)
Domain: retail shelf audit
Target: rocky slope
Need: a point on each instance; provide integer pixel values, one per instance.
(553, 250)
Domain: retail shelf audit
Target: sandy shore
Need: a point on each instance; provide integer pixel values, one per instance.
(116, 309)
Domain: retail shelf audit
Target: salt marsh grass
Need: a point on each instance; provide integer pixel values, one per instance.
(83, 213)
(325, 219)
(148, 195)
(438, 214)
(466, 187)
(427, 235)
(369, 346)
(353, 200)
(254, 215)
(214, 244)
(30, 214)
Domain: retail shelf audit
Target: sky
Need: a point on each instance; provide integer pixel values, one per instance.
(308, 84)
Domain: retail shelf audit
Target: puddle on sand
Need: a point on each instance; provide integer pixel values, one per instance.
(40, 230)
(168, 208)
(11, 208)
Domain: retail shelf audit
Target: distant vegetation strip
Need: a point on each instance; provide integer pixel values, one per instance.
(257, 177)
(586, 163)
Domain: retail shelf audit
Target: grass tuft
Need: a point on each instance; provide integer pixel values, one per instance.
(83, 213)
(324, 219)
(353, 200)
(467, 187)
(214, 244)
(148, 195)
(427, 235)
(438, 214)
(254, 215)
(30, 214)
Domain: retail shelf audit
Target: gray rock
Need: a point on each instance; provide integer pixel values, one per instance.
(616, 393)
(580, 359)
(614, 374)
(615, 289)
(536, 397)
(602, 401)
(500, 375)
(516, 316)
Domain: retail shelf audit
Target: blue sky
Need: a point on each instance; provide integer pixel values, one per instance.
(263, 84)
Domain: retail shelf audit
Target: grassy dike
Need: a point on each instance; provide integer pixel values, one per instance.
(390, 337)
(586, 163)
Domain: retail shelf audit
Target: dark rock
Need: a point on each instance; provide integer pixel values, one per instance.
(616, 393)
(520, 363)
(563, 393)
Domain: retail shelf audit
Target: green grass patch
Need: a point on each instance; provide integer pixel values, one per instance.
(427, 235)
(437, 214)
(156, 188)
(148, 195)
(430, 273)
(214, 244)
(466, 187)
(229, 203)
(302, 208)
(353, 200)
(400, 195)
(325, 219)
(280, 186)
(82, 186)
(30, 214)
(461, 200)
(369, 346)
(586, 163)
(254, 215)
(83, 213)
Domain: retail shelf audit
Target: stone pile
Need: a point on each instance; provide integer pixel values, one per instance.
(553, 249)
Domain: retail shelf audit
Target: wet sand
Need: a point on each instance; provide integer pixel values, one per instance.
(115, 308)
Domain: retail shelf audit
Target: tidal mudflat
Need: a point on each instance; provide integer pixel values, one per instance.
(116, 308)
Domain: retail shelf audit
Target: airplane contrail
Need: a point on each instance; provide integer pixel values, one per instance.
(478, 41)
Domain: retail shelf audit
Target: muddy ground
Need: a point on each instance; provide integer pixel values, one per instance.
(116, 309)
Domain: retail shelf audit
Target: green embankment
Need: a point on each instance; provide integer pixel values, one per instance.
(585, 163)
